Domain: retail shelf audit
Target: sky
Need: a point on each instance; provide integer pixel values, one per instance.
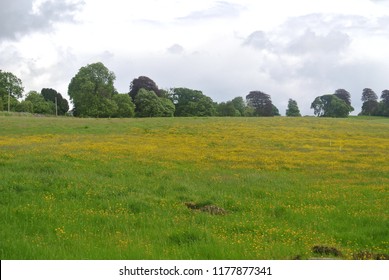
(297, 49)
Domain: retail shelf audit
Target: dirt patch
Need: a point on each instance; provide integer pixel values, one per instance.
(370, 256)
(209, 208)
(326, 251)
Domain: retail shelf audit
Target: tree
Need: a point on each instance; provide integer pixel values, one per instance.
(190, 103)
(329, 105)
(91, 91)
(239, 104)
(39, 104)
(25, 106)
(384, 103)
(293, 109)
(370, 104)
(148, 104)
(145, 83)
(276, 112)
(318, 106)
(227, 109)
(261, 102)
(168, 107)
(126, 108)
(53, 96)
(11, 88)
(344, 95)
(385, 97)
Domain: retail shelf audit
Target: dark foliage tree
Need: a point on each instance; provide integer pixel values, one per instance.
(385, 97)
(344, 95)
(91, 91)
(370, 104)
(52, 95)
(261, 102)
(329, 105)
(190, 103)
(370, 108)
(384, 104)
(145, 83)
(293, 109)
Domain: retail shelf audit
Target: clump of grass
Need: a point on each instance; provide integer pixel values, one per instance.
(185, 238)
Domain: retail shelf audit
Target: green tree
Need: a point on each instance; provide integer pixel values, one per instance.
(25, 106)
(168, 107)
(92, 90)
(318, 106)
(227, 109)
(293, 109)
(39, 104)
(148, 104)
(276, 112)
(262, 104)
(329, 105)
(239, 104)
(125, 107)
(11, 88)
(191, 102)
(53, 96)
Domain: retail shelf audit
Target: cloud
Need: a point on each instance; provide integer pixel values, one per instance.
(312, 43)
(222, 9)
(175, 49)
(18, 18)
(257, 40)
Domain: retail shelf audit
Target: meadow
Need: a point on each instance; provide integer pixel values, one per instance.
(287, 188)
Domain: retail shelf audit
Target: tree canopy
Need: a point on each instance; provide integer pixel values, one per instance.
(330, 105)
(370, 106)
(262, 104)
(91, 91)
(10, 87)
(191, 102)
(39, 104)
(148, 104)
(293, 109)
(53, 96)
(344, 95)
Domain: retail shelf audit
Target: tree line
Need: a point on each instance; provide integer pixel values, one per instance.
(93, 94)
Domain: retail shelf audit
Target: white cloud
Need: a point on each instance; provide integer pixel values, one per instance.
(18, 18)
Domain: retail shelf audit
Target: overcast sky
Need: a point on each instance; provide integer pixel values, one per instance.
(296, 49)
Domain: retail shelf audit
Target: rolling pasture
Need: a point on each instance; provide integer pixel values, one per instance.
(194, 188)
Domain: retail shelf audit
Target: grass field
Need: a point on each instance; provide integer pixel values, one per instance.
(288, 188)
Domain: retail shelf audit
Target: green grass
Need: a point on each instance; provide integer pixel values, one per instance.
(116, 188)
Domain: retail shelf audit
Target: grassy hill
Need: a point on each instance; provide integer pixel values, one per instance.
(194, 188)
